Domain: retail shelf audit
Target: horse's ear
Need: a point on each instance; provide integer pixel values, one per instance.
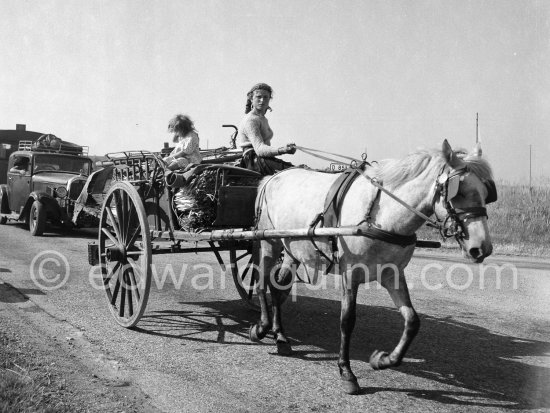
(477, 150)
(447, 151)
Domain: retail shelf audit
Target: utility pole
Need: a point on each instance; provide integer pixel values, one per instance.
(477, 127)
(530, 158)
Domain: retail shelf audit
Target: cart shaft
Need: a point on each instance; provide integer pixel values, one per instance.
(257, 235)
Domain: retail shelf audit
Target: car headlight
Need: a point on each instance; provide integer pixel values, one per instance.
(61, 192)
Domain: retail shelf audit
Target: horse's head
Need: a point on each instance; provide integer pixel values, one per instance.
(463, 188)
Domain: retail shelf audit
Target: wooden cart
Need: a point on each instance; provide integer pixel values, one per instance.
(137, 220)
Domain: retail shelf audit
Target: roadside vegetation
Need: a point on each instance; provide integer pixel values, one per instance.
(28, 382)
(519, 221)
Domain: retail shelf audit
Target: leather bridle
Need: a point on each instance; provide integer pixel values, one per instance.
(446, 187)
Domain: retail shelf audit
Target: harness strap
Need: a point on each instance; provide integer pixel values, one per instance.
(390, 237)
(335, 197)
(472, 212)
(330, 217)
(331, 260)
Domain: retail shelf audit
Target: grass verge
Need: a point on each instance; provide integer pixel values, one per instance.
(28, 382)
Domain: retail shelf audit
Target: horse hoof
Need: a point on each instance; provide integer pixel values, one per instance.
(284, 348)
(375, 359)
(253, 334)
(351, 386)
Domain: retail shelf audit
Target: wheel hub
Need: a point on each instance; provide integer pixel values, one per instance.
(115, 253)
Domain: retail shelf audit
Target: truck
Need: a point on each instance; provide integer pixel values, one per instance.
(44, 179)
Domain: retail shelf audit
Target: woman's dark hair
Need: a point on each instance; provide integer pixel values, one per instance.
(180, 125)
(257, 86)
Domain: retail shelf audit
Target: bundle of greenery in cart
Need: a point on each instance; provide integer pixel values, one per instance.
(195, 203)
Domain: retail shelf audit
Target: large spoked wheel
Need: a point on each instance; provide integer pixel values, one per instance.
(125, 253)
(244, 268)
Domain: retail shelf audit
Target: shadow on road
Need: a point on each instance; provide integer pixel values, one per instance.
(12, 295)
(447, 351)
(54, 232)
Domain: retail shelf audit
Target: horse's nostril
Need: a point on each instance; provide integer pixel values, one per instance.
(476, 253)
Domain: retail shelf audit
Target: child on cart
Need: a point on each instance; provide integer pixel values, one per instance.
(186, 139)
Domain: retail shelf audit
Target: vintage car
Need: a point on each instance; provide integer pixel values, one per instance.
(44, 179)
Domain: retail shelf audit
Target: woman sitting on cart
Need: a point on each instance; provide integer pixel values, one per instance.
(186, 139)
(255, 135)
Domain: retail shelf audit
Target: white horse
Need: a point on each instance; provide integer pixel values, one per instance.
(448, 184)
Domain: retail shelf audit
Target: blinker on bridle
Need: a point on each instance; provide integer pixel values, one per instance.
(447, 185)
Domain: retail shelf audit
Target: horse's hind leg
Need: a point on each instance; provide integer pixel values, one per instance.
(280, 285)
(268, 257)
(399, 293)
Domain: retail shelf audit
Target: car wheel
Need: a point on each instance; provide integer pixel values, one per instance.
(37, 219)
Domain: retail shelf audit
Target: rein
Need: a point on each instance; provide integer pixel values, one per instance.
(373, 181)
(448, 227)
(315, 152)
(431, 222)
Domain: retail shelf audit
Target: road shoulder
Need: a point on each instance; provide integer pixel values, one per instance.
(70, 374)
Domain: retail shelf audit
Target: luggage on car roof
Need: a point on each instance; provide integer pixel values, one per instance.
(53, 143)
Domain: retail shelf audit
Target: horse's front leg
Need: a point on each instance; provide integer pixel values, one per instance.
(280, 285)
(399, 292)
(267, 261)
(347, 324)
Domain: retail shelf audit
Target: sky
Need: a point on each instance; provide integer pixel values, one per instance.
(349, 76)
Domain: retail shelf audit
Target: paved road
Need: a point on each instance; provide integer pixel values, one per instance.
(484, 343)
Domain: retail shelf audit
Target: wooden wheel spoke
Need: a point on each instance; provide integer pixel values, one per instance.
(244, 274)
(241, 273)
(130, 222)
(117, 197)
(136, 270)
(113, 222)
(134, 237)
(134, 253)
(122, 294)
(114, 294)
(135, 287)
(123, 223)
(240, 257)
(110, 274)
(129, 289)
(110, 236)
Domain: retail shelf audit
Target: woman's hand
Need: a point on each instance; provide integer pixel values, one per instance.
(168, 160)
(289, 148)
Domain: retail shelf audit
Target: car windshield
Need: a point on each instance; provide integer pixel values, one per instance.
(61, 164)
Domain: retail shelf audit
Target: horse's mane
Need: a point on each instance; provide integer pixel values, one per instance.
(395, 172)
(478, 165)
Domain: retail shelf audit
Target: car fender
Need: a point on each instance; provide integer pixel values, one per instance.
(52, 207)
(4, 202)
